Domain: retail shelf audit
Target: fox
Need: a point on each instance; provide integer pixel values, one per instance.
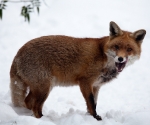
(58, 60)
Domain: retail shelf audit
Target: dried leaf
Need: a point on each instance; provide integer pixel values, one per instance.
(38, 10)
(28, 17)
(1, 13)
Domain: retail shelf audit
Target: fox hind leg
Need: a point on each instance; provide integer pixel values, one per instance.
(36, 99)
(29, 100)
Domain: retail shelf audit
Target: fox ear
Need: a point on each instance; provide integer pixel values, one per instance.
(139, 35)
(114, 29)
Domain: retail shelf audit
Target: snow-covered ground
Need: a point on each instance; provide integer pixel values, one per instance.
(124, 101)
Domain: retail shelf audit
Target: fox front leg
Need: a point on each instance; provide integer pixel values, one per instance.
(87, 92)
(95, 93)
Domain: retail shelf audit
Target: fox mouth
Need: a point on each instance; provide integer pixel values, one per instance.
(120, 66)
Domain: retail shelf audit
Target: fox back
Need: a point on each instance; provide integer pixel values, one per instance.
(49, 61)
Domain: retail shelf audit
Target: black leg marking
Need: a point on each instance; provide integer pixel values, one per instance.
(91, 97)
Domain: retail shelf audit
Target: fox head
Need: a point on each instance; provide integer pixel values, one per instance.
(123, 46)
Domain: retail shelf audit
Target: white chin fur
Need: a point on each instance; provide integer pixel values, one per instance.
(132, 59)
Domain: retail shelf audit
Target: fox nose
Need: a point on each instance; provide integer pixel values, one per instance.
(120, 59)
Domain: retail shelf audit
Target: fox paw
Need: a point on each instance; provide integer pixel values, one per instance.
(97, 117)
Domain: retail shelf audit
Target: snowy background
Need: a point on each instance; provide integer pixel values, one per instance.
(124, 101)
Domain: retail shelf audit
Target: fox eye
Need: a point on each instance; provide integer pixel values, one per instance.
(129, 49)
(116, 47)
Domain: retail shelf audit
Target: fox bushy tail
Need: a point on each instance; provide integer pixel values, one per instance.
(17, 87)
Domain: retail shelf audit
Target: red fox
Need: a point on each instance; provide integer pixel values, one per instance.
(49, 61)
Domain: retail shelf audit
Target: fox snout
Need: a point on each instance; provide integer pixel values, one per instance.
(120, 62)
(120, 59)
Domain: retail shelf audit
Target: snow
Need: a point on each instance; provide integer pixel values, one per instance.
(124, 101)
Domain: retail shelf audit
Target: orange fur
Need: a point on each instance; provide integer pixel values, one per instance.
(49, 61)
